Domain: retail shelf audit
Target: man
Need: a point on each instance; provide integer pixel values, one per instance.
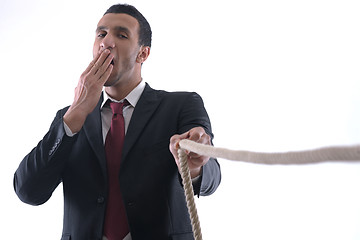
(142, 198)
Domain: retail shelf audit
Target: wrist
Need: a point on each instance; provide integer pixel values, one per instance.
(74, 119)
(195, 172)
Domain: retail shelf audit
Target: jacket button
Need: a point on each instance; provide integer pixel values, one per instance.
(101, 199)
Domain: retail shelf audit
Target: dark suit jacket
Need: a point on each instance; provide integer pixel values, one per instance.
(149, 179)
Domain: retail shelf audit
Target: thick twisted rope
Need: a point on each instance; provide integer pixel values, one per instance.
(326, 154)
(189, 194)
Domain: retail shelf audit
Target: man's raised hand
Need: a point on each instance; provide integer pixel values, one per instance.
(88, 90)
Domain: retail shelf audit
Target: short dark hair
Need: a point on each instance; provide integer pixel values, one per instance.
(145, 32)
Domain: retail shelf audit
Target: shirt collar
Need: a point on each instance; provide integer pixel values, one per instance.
(133, 97)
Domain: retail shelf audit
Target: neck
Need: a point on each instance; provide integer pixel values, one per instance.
(121, 90)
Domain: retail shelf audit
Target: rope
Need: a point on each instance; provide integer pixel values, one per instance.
(189, 194)
(325, 154)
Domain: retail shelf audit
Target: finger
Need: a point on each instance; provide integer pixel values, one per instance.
(92, 63)
(174, 139)
(99, 63)
(178, 137)
(205, 139)
(174, 143)
(105, 65)
(173, 147)
(106, 74)
(196, 134)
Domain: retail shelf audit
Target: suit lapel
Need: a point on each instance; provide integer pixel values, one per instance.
(143, 111)
(93, 131)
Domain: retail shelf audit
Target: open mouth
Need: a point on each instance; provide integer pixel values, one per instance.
(112, 62)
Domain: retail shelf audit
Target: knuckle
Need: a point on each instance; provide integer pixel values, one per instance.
(172, 139)
(207, 138)
(200, 129)
(196, 136)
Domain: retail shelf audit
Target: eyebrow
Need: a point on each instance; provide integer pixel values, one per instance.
(117, 28)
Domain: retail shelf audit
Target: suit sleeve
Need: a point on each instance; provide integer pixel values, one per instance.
(194, 114)
(39, 173)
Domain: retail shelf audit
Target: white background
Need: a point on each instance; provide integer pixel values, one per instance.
(274, 75)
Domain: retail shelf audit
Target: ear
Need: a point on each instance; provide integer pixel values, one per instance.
(143, 54)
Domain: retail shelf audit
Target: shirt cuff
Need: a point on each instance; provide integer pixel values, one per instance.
(68, 131)
(196, 179)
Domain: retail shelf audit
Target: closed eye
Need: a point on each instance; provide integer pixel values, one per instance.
(122, 36)
(101, 35)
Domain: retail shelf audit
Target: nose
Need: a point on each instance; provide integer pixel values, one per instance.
(107, 42)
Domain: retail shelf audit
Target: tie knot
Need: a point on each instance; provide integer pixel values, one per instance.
(117, 107)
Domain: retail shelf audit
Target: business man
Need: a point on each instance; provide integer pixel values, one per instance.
(115, 148)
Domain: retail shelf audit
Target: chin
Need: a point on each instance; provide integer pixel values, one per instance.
(112, 81)
(109, 83)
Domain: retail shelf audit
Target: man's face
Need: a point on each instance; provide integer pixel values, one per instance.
(119, 33)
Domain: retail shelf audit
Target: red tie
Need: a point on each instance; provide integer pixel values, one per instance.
(116, 225)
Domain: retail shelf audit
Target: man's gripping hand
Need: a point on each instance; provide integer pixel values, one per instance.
(195, 161)
(88, 90)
